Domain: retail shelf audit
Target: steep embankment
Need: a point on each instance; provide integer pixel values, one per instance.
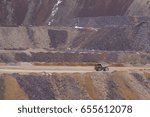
(74, 57)
(84, 31)
(139, 8)
(116, 85)
(122, 44)
(39, 12)
(112, 38)
(24, 37)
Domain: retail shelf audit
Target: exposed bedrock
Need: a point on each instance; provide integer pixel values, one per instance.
(75, 57)
(103, 85)
(39, 12)
(109, 38)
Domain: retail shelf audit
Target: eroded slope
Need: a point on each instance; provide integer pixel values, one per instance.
(39, 12)
(111, 38)
(115, 85)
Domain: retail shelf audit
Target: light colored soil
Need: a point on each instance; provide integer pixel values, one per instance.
(63, 69)
(13, 90)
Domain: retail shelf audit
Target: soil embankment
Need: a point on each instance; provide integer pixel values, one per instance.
(94, 85)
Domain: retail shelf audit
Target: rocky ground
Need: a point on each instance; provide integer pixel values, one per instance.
(91, 85)
(40, 12)
(81, 33)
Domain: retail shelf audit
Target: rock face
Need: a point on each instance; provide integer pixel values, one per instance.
(89, 24)
(118, 38)
(75, 32)
(80, 57)
(95, 24)
(117, 85)
(39, 12)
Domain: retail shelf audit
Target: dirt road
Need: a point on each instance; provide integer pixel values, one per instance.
(61, 69)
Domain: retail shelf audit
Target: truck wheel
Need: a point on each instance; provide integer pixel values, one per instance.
(106, 69)
(98, 69)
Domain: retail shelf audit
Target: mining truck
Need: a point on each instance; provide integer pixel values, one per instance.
(100, 67)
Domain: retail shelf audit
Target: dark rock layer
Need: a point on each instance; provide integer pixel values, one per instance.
(39, 12)
(103, 85)
(112, 38)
